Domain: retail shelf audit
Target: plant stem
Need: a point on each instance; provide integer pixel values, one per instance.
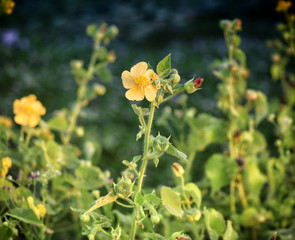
(144, 163)
(188, 174)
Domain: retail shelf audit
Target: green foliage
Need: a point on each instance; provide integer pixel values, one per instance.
(171, 201)
(220, 171)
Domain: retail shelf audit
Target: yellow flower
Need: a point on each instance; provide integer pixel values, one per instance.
(32, 206)
(6, 164)
(7, 6)
(283, 6)
(6, 122)
(139, 82)
(28, 111)
(41, 209)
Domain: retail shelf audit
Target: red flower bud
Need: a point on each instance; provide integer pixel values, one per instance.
(197, 83)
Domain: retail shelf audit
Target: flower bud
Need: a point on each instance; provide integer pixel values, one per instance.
(155, 219)
(99, 89)
(178, 169)
(238, 24)
(77, 64)
(251, 95)
(111, 56)
(96, 193)
(123, 189)
(193, 214)
(175, 78)
(80, 131)
(113, 31)
(85, 218)
(192, 85)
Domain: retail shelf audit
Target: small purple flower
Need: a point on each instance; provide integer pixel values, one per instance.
(8, 188)
(18, 176)
(4, 187)
(37, 175)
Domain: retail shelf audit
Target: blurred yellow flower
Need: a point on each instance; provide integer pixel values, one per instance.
(283, 5)
(7, 6)
(139, 82)
(41, 209)
(32, 206)
(28, 111)
(6, 122)
(6, 164)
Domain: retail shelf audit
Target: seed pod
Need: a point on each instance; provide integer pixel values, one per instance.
(123, 189)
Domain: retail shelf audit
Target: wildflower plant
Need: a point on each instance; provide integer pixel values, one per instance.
(41, 173)
(157, 87)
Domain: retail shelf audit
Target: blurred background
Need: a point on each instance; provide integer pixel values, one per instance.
(40, 38)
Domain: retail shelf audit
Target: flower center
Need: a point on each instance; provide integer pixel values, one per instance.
(28, 109)
(141, 81)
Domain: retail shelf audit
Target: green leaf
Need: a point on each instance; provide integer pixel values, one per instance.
(53, 154)
(138, 199)
(5, 232)
(25, 215)
(205, 130)
(103, 72)
(164, 67)
(230, 233)
(220, 171)
(58, 123)
(171, 201)
(215, 223)
(193, 191)
(154, 236)
(152, 199)
(3, 140)
(276, 71)
(88, 177)
(240, 56)
(176, 153)
(261, 107)
(91, 29)
(254, 178)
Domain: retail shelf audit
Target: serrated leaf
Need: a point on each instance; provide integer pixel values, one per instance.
(215, 223)
(164, 67)
(152, 199)
(193, 191)
(220, 170)
(230, 233)
(176, 153)
(25, 215)
(171, 201)
(138, 199)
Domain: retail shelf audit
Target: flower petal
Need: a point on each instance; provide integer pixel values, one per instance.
(139, 69)
(34, 120)
(127, 79)
(135, 93)
(151, 75)
(21, 119)
(150, 92)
